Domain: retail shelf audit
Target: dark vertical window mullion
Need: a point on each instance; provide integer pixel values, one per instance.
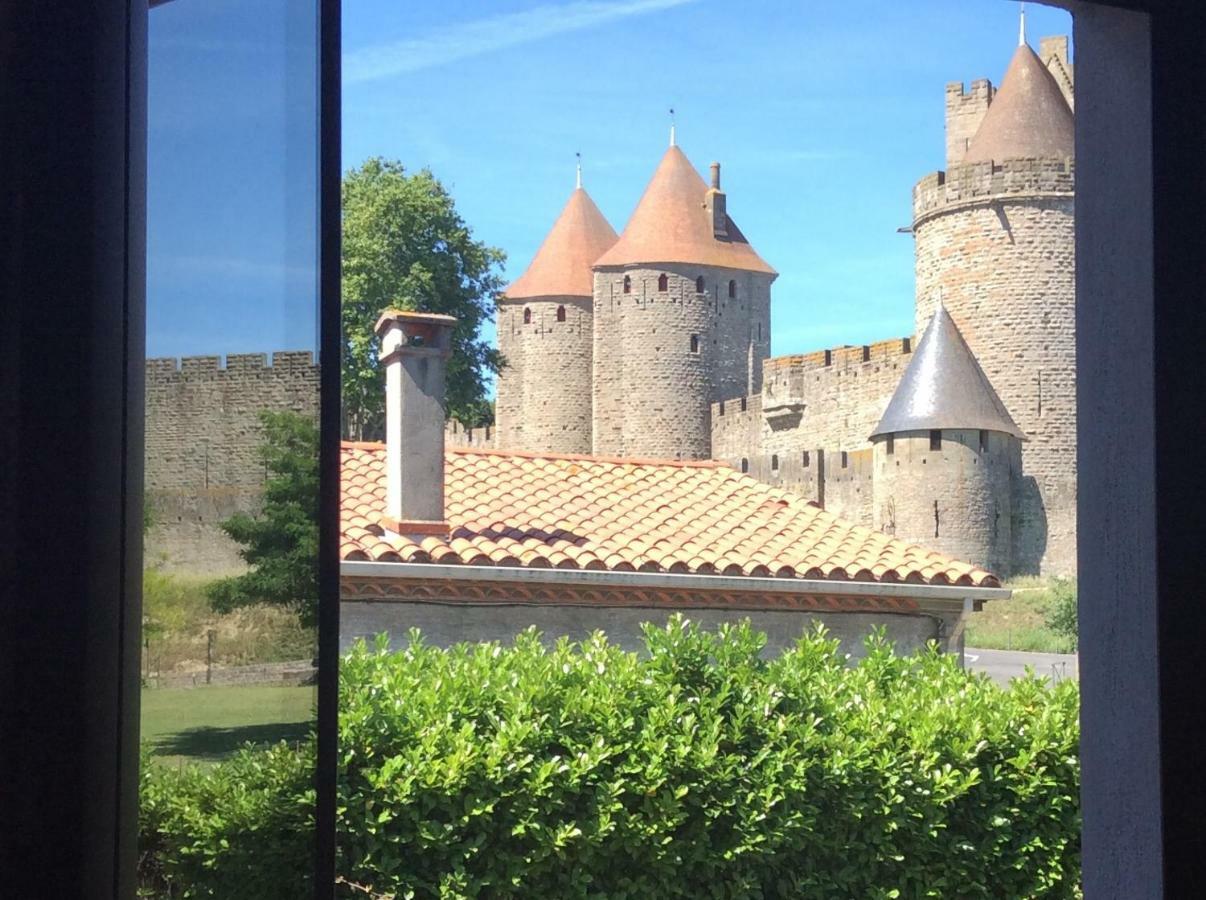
(329, 177)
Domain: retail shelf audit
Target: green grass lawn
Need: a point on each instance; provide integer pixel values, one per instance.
(1017, 623)
(205, 724)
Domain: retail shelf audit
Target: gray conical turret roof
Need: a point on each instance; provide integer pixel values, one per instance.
(944, 387)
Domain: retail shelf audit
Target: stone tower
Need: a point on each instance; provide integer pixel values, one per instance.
(545, 336)
(681, 318)
(945, 454)
(995, 245)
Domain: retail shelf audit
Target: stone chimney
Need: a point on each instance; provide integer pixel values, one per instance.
(414, 351)
(715, 203)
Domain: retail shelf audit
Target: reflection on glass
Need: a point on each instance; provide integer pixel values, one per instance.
(231, 447)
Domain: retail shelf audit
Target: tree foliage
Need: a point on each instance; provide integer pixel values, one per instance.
(281, 543)
(1061, 610)
(405, 246)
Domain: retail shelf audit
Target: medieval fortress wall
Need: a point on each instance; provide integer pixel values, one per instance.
(662, 356)
(202, 447)
(680, 372)
(996, 242)
(672, 360)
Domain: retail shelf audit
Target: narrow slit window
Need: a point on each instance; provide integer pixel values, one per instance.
(663, 283)
(745, 466)
(806, 459)
(845, 459)
(560, 313)
(891, 445)
(983, 441)
(699, 285)
(774, 462)
(732, 289)
(527, 317)
(936, 439)
(627, 284)
(695, 343)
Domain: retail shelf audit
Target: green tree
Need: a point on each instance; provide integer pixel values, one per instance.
(281, 543)
(405, 246)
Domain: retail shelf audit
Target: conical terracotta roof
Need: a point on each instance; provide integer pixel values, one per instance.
(561, 267)
(672, 225)
(944, 387)
(1028, 116)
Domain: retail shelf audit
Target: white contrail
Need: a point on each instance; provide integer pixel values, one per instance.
(467, 39)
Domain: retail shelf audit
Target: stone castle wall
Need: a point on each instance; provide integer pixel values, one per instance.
(661, 358)
(544, 390)
(965, 109)
(202, 447)
(830, 398)
(996, 242)
(955, 499)
(457, 435)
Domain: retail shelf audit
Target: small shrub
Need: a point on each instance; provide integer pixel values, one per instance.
(244, 828)
(699, 770)
(1060, 611)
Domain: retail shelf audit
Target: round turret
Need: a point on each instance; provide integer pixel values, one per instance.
(545, 337)
(945, 455)
(681, 318)
(995, 244)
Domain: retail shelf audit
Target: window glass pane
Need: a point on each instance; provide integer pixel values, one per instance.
(529, 508)
(232, 401)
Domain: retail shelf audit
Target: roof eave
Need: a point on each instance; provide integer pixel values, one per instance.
(396, 571)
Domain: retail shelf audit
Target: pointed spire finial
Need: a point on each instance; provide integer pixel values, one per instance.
(579, 155)
(672, 126)
(1022, 24)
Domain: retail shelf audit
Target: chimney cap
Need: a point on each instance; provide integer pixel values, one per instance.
(412, 321)
(715, 176)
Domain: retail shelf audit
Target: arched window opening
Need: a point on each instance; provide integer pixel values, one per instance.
(774, 462)
(627, 285)
(695, 343)
(745, 466)
(560, 313)
(663, 283)
(732, 289)
(527, 317)
(699, 285)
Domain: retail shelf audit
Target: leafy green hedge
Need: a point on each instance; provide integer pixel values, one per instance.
(697, 771)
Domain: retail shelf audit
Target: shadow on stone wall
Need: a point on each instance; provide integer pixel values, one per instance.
(1029, 528)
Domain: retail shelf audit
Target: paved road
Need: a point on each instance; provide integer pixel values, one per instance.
(1002, 665)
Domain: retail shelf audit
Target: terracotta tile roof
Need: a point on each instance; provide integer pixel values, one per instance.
(1027, 118)
(671, 225)
(561, 267)
(575, 512)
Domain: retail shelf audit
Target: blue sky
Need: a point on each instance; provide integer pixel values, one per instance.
(823, 116)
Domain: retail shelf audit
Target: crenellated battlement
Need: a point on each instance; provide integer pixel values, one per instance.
(167, 367)
(965, 110)
(457, 435)
(969, 184)
(845, 355)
